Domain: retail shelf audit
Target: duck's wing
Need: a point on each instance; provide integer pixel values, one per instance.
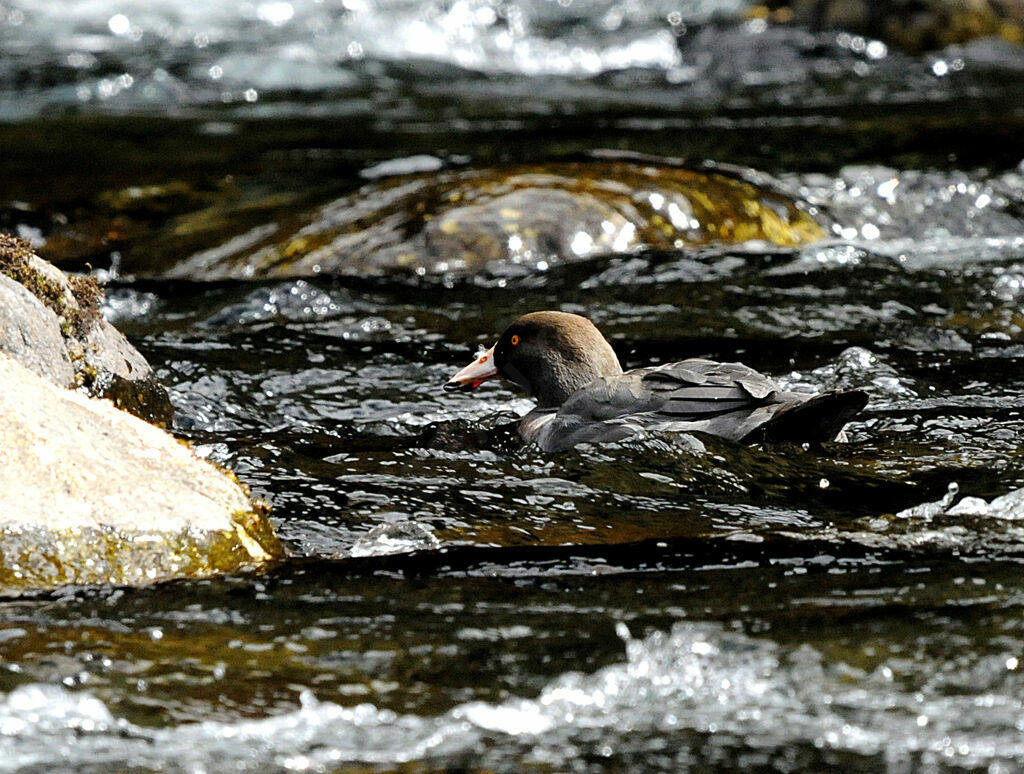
(703, 390)
(725, 399)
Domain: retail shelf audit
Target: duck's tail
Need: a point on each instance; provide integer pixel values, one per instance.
(820, 418)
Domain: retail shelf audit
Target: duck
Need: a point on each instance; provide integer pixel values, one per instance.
(583, 395)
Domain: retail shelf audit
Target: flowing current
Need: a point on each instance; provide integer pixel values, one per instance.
(452, 602)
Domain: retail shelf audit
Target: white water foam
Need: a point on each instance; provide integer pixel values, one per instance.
(697, 678)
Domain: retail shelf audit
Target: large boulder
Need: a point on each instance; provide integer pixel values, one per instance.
(51, 324)
(92, 494)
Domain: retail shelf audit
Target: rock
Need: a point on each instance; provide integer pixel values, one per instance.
(466, 220)
(913, 25)
(30, 333)
(91, 494)
(537, 222)
(52, 326)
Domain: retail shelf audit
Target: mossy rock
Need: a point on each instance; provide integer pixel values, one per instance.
(91, 494)
(469, 219)
(40, 558)
(102, 362)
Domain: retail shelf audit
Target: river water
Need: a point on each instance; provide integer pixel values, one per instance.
(451, 601)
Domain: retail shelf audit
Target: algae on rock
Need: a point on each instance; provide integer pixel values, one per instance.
(51, 324)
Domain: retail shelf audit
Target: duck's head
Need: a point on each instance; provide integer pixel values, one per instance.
(549, 354)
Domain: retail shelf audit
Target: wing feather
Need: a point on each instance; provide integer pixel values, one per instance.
(725, 399)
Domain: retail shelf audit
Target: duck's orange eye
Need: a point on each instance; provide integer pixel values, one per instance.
(515, 339)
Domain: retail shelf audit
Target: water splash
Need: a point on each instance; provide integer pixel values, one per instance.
(740, 695)
(1007, 507)
(855, 368)
(395, 538)
(160, 55)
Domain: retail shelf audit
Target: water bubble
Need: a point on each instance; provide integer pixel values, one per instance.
(275, 13)
(625, 237)
(582, 243)
(887, 190)
(876, 49)
(79, 60)
(119, 24)
(680, 219)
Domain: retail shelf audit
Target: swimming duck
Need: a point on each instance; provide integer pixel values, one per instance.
(584, 396)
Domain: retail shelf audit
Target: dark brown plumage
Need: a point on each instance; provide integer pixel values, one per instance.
(583, 396)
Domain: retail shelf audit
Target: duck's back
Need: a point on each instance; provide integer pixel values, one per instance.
(724, 399)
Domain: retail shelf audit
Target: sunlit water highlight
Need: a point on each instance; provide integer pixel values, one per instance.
(263, 57)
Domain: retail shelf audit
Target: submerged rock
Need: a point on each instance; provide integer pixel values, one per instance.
(536, 215)
(91, 494)
(51, 324)
(913, 25)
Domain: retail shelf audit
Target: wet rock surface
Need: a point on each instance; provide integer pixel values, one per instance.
(91, 494)
(914, 25)
(467, 220)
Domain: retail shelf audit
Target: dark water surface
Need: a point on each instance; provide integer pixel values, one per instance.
(452, 601)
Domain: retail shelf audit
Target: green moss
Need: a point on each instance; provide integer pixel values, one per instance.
(89, 295)
(15, 262)
(37, 558)
(76, 319)
(256, 526)
(77, 305)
